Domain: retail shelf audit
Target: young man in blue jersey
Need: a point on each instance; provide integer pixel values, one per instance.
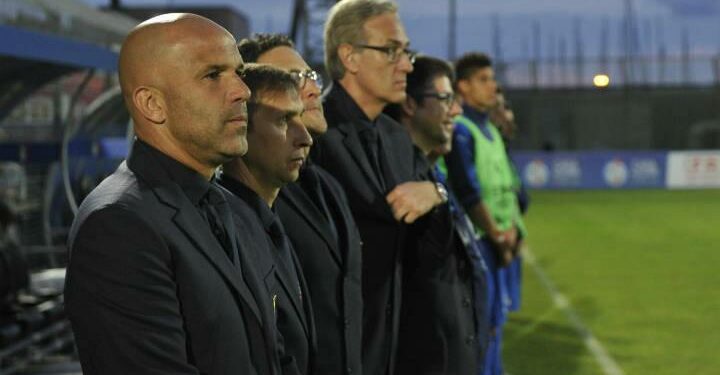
(480, 175)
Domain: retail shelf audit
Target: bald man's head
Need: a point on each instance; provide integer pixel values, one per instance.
(179, 77)
(154, 45)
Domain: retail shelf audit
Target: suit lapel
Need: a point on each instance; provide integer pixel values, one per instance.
(353, 143)
(187, 219)
(342, 225)
(307, 306)
(296, 198)
(388, 157)
(291, 289)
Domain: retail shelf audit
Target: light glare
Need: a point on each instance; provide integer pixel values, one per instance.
(601, 80)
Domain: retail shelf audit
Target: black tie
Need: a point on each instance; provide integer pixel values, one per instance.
(215, 209)
(284, 251)
(371, 145)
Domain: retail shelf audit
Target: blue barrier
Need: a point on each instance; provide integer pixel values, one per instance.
(31, 45)
(592, 169)
(45, 152)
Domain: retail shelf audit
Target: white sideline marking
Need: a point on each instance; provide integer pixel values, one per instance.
(608, 365)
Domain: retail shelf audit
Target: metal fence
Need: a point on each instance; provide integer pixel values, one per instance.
(636, 71)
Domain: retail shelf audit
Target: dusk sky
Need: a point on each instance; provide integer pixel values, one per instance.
(426, 23)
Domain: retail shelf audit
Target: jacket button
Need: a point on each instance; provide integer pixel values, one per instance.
(347, 322)
(349, 370)
(466, 302)
(470, 339)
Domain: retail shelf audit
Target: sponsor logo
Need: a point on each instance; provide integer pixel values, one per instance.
(537, 173)
(694, 169)
(644, 172)
(567, 172)
(615, 173)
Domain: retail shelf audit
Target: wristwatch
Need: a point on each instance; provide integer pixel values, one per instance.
(442, 192)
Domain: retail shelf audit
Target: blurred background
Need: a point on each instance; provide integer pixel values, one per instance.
(617, 104)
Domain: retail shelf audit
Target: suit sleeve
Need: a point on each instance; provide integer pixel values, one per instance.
(121, 298)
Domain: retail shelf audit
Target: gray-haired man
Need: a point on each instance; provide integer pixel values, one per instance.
(367, 56)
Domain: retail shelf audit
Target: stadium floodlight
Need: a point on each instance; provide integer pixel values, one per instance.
(601, 80)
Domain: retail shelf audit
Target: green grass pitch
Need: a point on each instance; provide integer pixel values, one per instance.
(640, 268)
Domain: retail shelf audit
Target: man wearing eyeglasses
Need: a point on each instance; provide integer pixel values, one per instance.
(318, 221)
(371, 155)
(444, 325)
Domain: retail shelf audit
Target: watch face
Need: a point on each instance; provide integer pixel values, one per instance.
(442, 191)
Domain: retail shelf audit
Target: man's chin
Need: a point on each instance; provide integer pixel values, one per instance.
(291, 177)
(445, 149)
(315, 123)
(242, 148)
(236, 152)
(396, 97)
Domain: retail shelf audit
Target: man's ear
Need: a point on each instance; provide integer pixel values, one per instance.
(463, 86)
(150, 103)
(348, 57)
(409, 106)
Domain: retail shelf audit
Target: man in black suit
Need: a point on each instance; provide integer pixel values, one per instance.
(445, 323)
(367, 56)
(159, 281)
(317, 218)
(278, 144)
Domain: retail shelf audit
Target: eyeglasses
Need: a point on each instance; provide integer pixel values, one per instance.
(393, 53)
(446, 97)
(302, 78)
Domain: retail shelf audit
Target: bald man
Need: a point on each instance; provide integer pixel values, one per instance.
(158, 280)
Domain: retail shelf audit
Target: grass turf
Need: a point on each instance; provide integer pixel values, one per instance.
(641, 269)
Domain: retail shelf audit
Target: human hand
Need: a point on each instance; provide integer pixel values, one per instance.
(411, 200)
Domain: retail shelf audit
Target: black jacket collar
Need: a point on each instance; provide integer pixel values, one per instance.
(253, 200)
(192, 183)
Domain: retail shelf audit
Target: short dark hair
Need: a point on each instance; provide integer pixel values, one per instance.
(468, 63)
(263, 79)
(259, 43)
(426, 69)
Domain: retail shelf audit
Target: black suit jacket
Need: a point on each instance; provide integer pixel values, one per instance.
(293, 315)
(340, 153)
(332, 269)
(438, 317)
(149, 290)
